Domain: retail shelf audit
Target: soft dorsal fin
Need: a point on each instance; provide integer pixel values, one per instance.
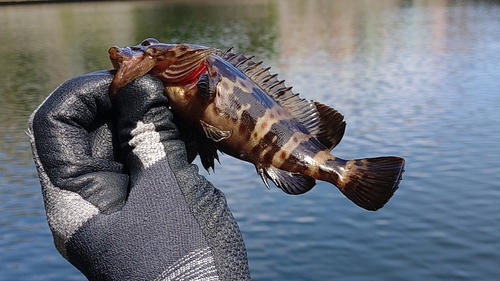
(323, 122)
(331, 126)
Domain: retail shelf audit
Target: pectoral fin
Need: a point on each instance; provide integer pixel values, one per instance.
(206, 89)
(214, 133)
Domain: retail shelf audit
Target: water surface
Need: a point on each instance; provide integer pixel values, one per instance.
(418, 79)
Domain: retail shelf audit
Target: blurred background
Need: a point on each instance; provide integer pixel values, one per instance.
(419, 79)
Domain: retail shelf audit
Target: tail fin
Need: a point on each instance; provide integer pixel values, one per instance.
(371, 182)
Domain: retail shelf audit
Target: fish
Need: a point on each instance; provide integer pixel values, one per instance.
(236, 106)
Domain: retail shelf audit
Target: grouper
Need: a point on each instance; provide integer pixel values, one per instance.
(236, 106)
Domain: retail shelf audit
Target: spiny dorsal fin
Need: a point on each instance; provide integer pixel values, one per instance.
(323, 122)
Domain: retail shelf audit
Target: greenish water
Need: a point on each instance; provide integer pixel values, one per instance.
(419, 79)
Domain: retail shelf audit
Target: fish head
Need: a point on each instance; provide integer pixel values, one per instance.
(172, 63)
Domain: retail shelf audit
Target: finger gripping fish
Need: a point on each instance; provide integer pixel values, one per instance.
(238, 107)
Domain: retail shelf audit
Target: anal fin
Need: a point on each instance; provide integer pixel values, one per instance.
(290, 183)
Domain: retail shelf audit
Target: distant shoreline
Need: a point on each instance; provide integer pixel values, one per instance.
(22, 2)
(28, 2)
(31, 2)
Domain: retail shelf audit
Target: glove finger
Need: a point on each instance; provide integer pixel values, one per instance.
(72, 134)
(144, 121)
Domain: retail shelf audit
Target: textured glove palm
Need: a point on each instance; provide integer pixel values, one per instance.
(121, 200)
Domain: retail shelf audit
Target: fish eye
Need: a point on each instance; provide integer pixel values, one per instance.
(149, 41)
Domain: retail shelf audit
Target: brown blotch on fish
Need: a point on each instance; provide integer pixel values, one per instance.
(238, 107)
(283, 155)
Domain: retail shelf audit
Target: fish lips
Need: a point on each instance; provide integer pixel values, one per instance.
(129, 64)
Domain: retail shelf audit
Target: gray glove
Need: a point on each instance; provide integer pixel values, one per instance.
(121, 199)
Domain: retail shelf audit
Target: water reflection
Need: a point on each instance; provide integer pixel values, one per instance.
(413, 78)
(245, 26)
(48, 44)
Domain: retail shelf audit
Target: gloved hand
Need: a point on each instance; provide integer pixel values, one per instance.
(121, 199)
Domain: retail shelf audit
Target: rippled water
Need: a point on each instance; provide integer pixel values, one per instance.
(419, 79)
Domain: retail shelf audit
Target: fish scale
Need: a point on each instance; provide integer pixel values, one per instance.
(238, 107)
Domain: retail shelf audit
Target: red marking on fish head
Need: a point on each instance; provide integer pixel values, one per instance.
(194, 76)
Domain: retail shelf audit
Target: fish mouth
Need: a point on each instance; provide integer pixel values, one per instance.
(129, 64)
(172, 63)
